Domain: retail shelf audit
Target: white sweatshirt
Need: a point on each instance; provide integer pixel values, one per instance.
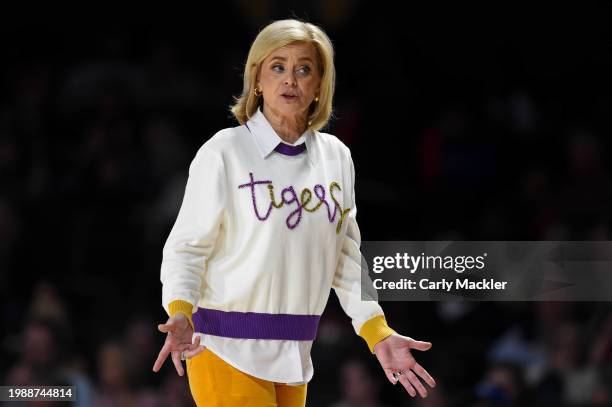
(263, 232)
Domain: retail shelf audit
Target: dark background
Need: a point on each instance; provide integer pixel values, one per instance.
(484, 124)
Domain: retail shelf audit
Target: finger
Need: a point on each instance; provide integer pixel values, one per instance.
(389, 374)
(161, 358)
(192, 346)
(171, 324)
(181, 347)
(176, 358)
(194, 352)
(197, 339)
(406, 383)
(195, 344)
(416, 383)
(418, 369)
(420, 345)
(165, 328)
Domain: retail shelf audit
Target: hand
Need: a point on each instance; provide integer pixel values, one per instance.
(394, 356)
(178, 340)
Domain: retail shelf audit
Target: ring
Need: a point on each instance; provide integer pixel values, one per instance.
(183, 355)
(397, 374)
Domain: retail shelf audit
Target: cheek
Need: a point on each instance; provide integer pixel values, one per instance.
(309, 85)
(271, 83)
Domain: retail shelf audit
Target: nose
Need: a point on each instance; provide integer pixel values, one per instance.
(290, 78)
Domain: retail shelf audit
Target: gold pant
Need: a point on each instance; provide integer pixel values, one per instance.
(215, 383)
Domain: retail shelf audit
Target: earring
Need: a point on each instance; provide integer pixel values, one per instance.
(316, 99)
(256, 93)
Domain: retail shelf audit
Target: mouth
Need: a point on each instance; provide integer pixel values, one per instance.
(289, 96)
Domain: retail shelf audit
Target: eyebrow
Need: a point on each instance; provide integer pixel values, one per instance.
(299, 59)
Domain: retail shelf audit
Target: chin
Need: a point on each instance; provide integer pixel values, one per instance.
(290, 108)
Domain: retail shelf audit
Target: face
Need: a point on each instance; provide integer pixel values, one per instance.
(290, 79)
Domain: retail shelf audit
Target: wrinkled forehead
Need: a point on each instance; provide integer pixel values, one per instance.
(300, 51)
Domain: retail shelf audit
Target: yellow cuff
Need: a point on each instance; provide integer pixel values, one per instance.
(375, 330)
(181, 306)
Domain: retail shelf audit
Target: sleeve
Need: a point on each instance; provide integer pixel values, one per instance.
(368, 318)
(194, 233)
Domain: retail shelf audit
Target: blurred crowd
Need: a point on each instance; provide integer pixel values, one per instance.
(113, 369)
(459, 139)
(519, 354)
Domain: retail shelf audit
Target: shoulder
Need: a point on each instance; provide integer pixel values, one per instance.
(331, 144)
(333, 149)
(214, 149)
(223, 140)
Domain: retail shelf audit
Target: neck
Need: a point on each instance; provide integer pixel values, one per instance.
(288, 128)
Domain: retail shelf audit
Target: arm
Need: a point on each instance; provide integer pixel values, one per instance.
(194, 233)
(186, 251)
(391, 349)
(368, 318)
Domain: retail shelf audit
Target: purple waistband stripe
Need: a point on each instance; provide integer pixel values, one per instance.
(255, 325)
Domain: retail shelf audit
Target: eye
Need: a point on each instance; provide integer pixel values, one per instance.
(277, 68)
(305, 70)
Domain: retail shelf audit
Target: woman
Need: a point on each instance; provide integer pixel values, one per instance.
(266, 228)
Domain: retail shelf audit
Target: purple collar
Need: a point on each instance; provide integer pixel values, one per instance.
(287, 149)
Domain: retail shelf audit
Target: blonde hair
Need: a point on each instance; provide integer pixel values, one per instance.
(277, 35)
